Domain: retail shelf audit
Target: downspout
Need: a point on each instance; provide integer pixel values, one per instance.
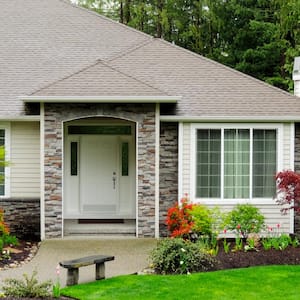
(157, 146)
(42, 170)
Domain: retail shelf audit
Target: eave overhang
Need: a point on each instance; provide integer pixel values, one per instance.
(229, 119)
(100, 99)
(20, 118)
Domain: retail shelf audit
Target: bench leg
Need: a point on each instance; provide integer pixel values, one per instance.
(72, 276)
(100, 271)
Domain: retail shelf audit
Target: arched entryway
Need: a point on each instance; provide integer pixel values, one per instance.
(99, 188)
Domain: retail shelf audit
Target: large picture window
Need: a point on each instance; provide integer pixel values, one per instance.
(236, 163)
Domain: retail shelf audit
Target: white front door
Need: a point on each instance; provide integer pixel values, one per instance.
(99, 174)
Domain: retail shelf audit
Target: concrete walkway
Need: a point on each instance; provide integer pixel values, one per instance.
(131, 256)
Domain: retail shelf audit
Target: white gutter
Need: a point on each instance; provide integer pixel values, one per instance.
(100, 99)
(240, 119)
(20, 118)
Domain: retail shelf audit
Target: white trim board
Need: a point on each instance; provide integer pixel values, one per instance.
(100, 99)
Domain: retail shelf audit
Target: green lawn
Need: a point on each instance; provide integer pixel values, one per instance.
(259, 283)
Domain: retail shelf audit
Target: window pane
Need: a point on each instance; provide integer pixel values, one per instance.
(236, 163)
(264, 162)
(125, 159)
(208, 163)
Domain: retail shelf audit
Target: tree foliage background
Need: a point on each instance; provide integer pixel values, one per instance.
(258, 37)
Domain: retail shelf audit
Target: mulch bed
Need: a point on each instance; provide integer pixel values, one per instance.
(19, 255)
(258, 257)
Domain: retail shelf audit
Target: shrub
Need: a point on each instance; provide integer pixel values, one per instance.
(28, 287)
(288, 191)
(245, 219)
(10, 240)
(190, 221)
(202, 219)
(5, 237)
(179, 219)
(179, 256)
(1, 246)
(4, 230)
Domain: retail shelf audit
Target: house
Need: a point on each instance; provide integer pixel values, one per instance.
(105, 124)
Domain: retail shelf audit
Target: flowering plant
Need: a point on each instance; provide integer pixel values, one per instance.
(179, 219)
(4, 229)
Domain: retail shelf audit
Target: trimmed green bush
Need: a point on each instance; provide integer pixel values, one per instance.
(245, 219)
(179, 256)
(202, 218)
(28, 287)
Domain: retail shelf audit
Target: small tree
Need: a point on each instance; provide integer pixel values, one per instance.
(288, 191)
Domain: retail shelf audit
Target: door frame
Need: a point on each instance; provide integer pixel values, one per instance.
(132, 140)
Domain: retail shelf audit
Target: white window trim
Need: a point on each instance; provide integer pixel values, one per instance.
(7, 138)
(251, 126)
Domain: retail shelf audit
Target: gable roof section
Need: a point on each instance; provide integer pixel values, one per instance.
(99, 79)
(43, 41)
(55, 49)
(208, 89)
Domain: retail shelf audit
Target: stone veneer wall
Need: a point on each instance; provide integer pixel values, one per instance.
(143, 115)
(22, 217)
(168, 169)
(297, 169)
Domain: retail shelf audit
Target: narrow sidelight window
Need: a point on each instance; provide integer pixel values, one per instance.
(125, 159)
(74, 158)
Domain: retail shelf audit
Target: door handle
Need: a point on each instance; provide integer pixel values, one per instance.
(114, 179)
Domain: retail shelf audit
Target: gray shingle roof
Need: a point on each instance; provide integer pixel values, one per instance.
(43, 41)
(99, 79)
(53, 48)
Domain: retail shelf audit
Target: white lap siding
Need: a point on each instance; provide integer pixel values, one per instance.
(25, 160)
(268, 207)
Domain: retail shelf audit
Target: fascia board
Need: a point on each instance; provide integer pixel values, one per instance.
(100, 99)
(222, 119)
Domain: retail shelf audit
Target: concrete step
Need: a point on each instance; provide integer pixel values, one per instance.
(119, 229)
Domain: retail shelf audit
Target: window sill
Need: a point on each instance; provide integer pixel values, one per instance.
(219, 202)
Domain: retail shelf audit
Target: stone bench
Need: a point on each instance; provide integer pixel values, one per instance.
(74, 265)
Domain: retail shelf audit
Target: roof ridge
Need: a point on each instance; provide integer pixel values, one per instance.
(134, 78)
(105, 18)
(231, 69)
(131, 49)
(67, 76)
(98, 61)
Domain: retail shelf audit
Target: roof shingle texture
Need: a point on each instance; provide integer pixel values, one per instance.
(52, 48)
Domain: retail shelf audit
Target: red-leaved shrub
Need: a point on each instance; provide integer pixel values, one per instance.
(288, 190)
(179, 219)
